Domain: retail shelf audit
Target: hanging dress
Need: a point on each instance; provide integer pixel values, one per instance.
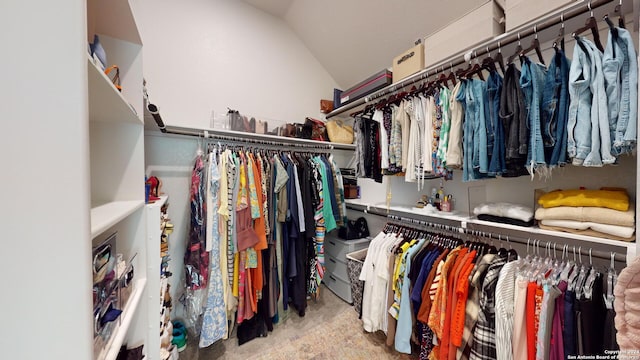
(214, 321)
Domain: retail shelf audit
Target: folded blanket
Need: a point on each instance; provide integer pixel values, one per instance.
(587, 232)
(505, 220)
(621, 231)
(612, 199)
(585, 213)
(506, 210)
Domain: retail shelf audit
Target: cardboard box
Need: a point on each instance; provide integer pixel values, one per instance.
(481, 24)
(519, 12)
(408, 63)
(366, 87)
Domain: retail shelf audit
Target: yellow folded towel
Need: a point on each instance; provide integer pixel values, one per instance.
(612, 199)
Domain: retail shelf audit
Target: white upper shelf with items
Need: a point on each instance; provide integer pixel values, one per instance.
(114, 42)
(464, 221)
(106, 103)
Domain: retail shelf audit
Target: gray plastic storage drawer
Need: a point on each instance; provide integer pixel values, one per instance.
(339, 286)
(336, 267)
(339, 248)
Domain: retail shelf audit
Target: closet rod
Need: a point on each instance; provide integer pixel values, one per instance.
(484, 48)
(207, 135)
(582, 250)
(548, 245)
(276, 147)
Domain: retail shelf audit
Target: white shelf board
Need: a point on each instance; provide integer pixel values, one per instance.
(159, 203)
(112, 349)
(106, 215)
(465, 220)
(408, 210)
(106, 103)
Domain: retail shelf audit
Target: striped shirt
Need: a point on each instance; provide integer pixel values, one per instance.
(505, 289)
(484, 336)
(473, 305)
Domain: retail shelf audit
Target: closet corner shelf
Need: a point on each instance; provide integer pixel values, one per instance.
(159, 203)
(106, 103)
(240, 136)
(106, 215)
(112, 349)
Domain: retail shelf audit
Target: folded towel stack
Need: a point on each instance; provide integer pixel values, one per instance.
(505, 213)
(605, 213)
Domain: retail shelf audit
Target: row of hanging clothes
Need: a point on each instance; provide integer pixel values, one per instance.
(257, 227)
(441, 296)
(496, 119)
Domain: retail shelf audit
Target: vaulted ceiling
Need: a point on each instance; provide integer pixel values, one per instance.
(354, 39)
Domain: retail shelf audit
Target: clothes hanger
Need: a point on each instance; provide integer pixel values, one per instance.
(476, 69)
(613, 29)
(516, 52)
(451, 76)
(591, 279)
(499, 59)
(590, 24)
(443, 79)
(612, 278)
(618, 12)
(535, 45)
(489, 62)
(559, 41)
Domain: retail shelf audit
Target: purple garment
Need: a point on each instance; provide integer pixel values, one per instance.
(556, 351)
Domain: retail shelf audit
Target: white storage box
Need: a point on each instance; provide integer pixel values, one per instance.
(518, 12)
(477, 26)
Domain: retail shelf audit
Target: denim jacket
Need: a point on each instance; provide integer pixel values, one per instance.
(620, 68)
(532, 82)
(555, 110)
(495, 132)
(514, 122)
(589, 141)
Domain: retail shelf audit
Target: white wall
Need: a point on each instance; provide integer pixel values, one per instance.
(204, 55)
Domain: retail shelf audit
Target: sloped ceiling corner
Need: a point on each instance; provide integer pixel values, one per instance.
(354, 39)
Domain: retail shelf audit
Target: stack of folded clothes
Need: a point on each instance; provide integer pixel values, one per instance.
(505, 213)
(605, 213)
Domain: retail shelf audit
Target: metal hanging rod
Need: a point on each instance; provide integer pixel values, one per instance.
(434, 225)
(240, 137)
(584, 250)
(483, 48)
(258, 139)
(500, 237)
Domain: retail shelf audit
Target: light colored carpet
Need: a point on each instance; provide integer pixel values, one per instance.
(329, 330)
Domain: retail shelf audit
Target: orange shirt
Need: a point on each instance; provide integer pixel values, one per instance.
(462, 292)
(425, 306)
(454, 273)
(437, 314)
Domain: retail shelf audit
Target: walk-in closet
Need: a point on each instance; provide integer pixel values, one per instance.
(294, 179)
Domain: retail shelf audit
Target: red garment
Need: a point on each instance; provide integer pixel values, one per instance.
(531, 321)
